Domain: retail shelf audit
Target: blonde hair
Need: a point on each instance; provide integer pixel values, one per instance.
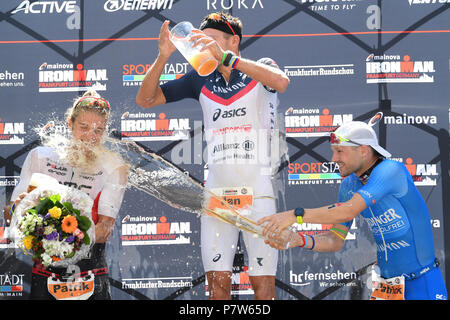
(73, 112)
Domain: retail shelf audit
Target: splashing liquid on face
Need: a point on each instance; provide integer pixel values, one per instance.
(147, 171)
(75, 153)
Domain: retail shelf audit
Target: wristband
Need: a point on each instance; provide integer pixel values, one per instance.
(224, 56)
(227, 55)
(343, 238)
(234, 61)
(313, 243)
(336, 229)
(305, 241)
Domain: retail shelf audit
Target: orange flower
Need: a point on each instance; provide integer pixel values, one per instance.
(55, 258)
(69, 224)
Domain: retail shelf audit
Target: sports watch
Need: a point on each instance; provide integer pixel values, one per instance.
(299, 213)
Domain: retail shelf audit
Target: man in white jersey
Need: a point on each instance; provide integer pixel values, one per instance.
(239, 102)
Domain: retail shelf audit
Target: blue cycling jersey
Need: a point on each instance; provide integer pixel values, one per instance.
(397, 215)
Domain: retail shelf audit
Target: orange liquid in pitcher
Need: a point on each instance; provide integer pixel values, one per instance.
(203, 63)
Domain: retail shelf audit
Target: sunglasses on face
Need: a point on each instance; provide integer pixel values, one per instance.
(93, 102)
(335, 139)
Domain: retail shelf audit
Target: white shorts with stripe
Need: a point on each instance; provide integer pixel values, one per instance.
(219, 242)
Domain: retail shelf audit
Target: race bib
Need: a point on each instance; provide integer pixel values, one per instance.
(238, 198)
(79, 289)
(388, 289)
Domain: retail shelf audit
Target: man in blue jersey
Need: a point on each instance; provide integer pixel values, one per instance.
(383, 192)
(239, 101)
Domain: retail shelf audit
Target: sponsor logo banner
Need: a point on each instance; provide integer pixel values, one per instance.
(312, 122)
(413, 2)
(398, 69)
(157, 283)
(137, 5)
(11, 285)
(325, 279)
(144, 126)
(10, 79)
(152, 231)
(320, 70)
(12, 132)
(61, 77)
(304, 173)
(133, 75)
(423, 174)
(38, 7)
(410, 119)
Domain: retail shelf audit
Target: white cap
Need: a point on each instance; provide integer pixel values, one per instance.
(361, 133)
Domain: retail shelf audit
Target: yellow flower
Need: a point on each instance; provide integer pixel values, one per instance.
(55, 212)
(28, 242)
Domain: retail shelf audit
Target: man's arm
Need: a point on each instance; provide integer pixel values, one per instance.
(386, 178)
(336, 213)
(332, 214)
(150, 94)
(330, 241)
(269, 76)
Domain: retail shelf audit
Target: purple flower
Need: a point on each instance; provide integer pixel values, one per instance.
(52, 236)
(70, 239)
(47, 216)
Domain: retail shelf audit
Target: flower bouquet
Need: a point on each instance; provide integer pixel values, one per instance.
(53, 225)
